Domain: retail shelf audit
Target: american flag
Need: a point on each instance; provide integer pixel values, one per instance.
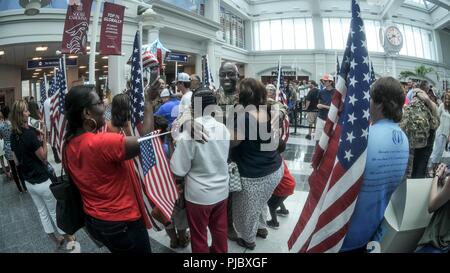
(43, 91)
(57, 120)
(337, 69)
(372, 73)
(208, 80)
(281, 97)
(149, 61)
(340, 158)
(153, 168)
(158, 50)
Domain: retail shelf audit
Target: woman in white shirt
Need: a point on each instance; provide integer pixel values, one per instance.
(205, 169)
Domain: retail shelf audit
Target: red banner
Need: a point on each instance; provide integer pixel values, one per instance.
(76, 27)
(111, 33)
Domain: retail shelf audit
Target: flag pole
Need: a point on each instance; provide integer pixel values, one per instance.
(152, 136)
(64, 67)
(94, 41)
(140, 56)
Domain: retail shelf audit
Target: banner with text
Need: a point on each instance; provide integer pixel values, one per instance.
(111, 32)
(76, 27)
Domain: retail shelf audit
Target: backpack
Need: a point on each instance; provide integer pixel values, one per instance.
(417, 123)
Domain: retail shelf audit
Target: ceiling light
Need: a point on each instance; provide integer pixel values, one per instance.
(82, 67)
(105, 66)
(97, 69)
(37, 70)
(2, 52)
(88, 48)
(37, 58)
(73, 57)
(34, 76)
(41, 48)
(105, 57)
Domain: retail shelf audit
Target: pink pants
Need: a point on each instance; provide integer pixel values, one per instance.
(215, 218)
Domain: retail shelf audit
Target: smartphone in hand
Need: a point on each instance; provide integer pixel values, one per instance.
(35, 123)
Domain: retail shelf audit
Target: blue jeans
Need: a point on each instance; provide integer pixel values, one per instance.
(120, 237)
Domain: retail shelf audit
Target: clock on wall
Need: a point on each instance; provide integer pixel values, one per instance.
(391, 39)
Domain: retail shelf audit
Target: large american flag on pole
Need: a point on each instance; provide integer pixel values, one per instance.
(281, 97)
(208, 80)
(57, 102)
(153, 169)
(340, 158)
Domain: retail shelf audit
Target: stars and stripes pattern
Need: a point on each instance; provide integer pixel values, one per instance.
(339, 160)
(372, 73)
(43, 92)
(57, 102)
(149, 61)
(208, 80)
(280, 95)
(337, 69)
(153, 169)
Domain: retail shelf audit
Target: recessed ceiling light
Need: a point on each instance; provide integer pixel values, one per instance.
(37, 70)
(105, 57)
(2, 52)
(82, 67)
(73, 57)
(41, 48)
(34, 76)
(37, 58)
(88, 48)
(36, 73)
(105, 66)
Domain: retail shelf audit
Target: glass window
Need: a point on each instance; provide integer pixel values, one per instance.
(288, 34)
(310, 34)
(417, 42)
(256, 36)
(195, 6)
(233, 30)
(264, 30)
(275, 32)
(409, 37)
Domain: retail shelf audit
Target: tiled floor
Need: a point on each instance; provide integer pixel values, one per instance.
(21, 230)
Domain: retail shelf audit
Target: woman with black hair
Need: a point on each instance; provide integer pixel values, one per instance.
(5, 133)
(97, 163)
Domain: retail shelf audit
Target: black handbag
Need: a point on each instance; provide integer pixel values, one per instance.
(70, 216)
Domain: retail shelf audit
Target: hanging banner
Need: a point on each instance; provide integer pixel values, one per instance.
(76, 27)
(111, 32)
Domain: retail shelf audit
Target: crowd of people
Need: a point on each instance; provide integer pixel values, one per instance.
(99, 150)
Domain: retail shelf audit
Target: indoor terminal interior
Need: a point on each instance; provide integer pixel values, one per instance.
(358, 103)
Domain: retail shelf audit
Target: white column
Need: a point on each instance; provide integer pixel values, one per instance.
(394, 68)
(248, 35)
(153, 34)
(116, 81)
(198, 64)
(210, 49)
(93, 44)
(320, 61)
(212, 10)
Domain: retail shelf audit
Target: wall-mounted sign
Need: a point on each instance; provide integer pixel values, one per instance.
(176, 57)
(49, 63)
(285, 73)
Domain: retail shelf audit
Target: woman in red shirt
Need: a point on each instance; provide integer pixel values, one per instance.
(97, 164)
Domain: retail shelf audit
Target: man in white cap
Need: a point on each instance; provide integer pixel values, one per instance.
(325, 97)
(169, 107)
(183, 83)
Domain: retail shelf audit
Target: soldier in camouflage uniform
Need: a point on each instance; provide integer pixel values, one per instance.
(227, 95)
